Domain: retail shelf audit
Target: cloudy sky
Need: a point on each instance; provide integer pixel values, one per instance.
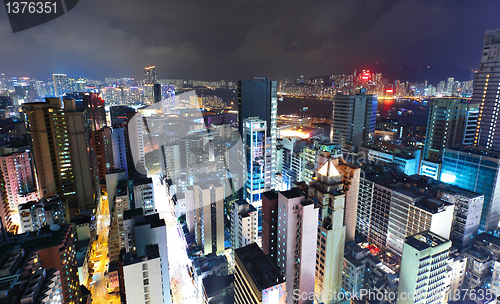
(233, 39)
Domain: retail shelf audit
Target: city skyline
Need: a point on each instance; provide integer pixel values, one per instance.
(218, 42)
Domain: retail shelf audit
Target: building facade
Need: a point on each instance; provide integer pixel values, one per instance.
(424, 269)
(353, 119)
(486, 92)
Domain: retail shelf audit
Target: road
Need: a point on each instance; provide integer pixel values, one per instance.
(100, 256)
(181, 283)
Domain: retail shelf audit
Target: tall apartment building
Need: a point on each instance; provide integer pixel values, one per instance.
(486, 92)
(257, 279)
(424, 269)
(141, 231)
(121, 203)
(103, 151)
(353, 119)
(84, 162)
(373, 210)
(411, 213)
(466, 217)
(270, 224)
(171, 159)
(119, 143)
(61, 84)
(257, 98)
(457, 264)
(150, 75)
(291, 161)
(205, 215)
(326, 191)
(40, 268)
(48, 129)
(142, 278)
(350, 180)
(452, 121)
(476, 170)
(392, 206)
(19, 183)
(144, 195)
(137, 134)
(244, 224)
(297, 241)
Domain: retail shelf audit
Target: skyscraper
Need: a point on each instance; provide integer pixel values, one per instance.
(258, 98)
(486, 92)
(19, 184)
(424, 268)
(353, 119)
(350, 179)
(150, 75)
(120, 114)
(327, 194)
(103, 151)
(47, 127)
(257, 279)
(297, 241)
(270, 224)
(257, 161)
(84, 160)
(205, 215)
(452, 121)
(142, 277)
(61, 85)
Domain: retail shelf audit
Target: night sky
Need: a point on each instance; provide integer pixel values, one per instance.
(231, 40)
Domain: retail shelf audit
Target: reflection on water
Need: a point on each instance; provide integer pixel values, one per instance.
(403, 110)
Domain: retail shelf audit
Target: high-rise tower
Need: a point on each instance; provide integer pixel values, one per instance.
(150, 75)
(486, 92)
(258, 98)
(353, 119)
(452, 121)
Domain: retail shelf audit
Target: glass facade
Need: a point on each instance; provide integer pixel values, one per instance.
(475, 172)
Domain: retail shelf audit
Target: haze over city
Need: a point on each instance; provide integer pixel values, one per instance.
(233, 39)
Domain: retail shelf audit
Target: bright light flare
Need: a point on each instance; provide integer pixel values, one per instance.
(294, 133)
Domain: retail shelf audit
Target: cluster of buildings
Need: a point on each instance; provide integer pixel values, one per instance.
(375, 84)
(267, 209)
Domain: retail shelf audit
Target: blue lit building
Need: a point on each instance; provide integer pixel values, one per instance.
(475, 170)
(257, 98)
(254, 142)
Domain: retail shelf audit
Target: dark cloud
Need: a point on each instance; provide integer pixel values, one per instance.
(224, 39)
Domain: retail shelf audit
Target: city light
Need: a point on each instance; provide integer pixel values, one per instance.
(294, 133)
(448, 178)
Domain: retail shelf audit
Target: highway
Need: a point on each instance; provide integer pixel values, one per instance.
(181, 283)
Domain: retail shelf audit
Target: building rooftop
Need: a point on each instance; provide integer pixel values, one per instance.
(262, 271)
(293, 193)
(142, 181)
(271, 195)
(432, 205)
(424, 240)
(487, 238)
(151, 253)
(131, 213)
(214, 284)
(476, 150)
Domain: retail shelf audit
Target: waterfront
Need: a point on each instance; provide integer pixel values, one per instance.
(407, 111)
